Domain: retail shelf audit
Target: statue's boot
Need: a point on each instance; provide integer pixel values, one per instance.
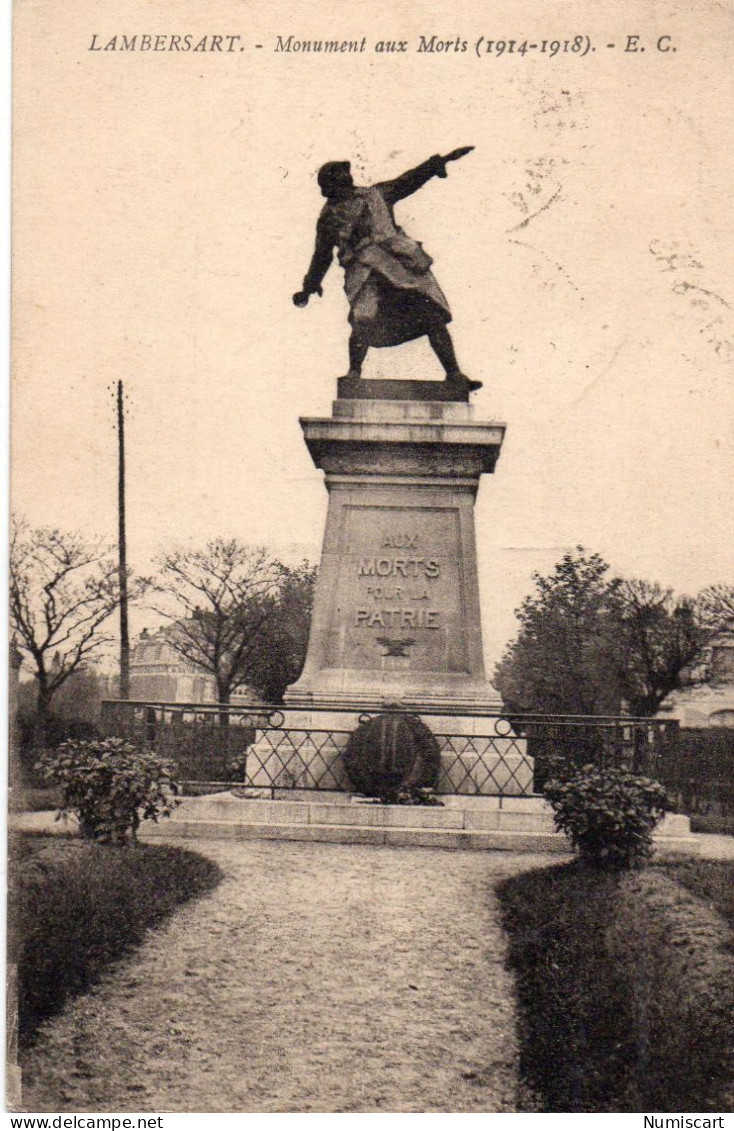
(463, 382)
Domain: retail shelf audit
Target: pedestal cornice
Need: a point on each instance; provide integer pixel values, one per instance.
(403, 438)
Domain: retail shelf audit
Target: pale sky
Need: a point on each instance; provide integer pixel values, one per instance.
(164, 214)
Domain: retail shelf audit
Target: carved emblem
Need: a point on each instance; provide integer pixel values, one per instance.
(395, 647)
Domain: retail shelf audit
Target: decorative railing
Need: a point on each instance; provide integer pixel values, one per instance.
(208, 742)
(492, 754)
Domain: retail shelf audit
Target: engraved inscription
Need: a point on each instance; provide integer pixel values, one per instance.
(401, 580)
(375, 614)
(398, 567)
(398, 618)
(402, 540)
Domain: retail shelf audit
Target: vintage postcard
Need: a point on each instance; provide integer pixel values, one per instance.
(338, 333)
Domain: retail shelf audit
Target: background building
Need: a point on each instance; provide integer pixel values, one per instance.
(709, 701)
(158, 673)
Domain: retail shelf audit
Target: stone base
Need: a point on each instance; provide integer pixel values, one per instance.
(479, 755)
(364, 389)
(412, 691)
(396, 610)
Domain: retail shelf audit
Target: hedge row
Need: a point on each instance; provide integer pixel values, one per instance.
(625, 987)
(75, 906)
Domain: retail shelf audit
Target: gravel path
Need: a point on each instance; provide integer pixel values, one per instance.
(326, 978)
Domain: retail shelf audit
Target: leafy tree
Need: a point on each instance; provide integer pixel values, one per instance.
(589, 642)
(565, 659)
(63, 590)
(221, 604)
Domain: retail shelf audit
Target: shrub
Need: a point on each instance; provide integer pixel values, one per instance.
(111, 785)
(609, 814)
(235, 766)
(75, 906)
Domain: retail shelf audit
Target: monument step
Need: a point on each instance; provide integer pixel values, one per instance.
(520, 814)
(363, 834)
(525, 803)
(450, 826)
(401, 836)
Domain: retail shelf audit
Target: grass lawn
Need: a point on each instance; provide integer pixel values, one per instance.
(75, 906)
(625, 985)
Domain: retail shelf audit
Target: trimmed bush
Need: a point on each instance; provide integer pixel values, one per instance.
(625, 986)
(76, 906)
(609, 814)
(28, 799)
(111, 785)
(721, 826)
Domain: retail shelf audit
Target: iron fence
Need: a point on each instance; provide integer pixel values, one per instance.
(642, 745)
(488, 754)
(206, 742)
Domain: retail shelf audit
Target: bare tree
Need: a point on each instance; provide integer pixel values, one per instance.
(662, 639)
(715, 608)
(62, 591)
(223, 598)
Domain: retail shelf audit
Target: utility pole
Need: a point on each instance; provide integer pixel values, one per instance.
(122, 549)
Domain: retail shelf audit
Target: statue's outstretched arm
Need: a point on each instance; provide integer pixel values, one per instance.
(414, 179)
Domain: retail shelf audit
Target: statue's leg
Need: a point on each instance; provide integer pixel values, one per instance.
(443, 347)
(357, 353)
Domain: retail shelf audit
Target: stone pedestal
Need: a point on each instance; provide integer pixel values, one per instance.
(396, 619)
(396, 613)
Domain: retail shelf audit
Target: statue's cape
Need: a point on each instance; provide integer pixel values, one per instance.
(386, 251)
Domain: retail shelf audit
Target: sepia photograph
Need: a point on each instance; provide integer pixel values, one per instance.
(370, 561)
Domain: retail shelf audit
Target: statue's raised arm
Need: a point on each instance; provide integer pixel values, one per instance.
(393, 296)
(408, 183)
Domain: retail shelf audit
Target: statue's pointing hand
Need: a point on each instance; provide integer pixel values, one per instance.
(454, 155)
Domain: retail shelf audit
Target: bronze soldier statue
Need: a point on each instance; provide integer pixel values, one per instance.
(393, 296)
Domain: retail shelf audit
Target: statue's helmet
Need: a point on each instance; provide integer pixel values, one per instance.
(333, 174)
